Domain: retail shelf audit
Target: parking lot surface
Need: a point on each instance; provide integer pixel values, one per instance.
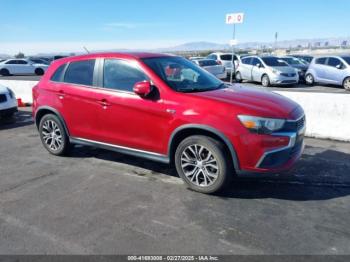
(100, 202)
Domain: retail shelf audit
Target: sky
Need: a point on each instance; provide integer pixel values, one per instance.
(33, 26)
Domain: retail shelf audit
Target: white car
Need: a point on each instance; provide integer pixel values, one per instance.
(8, 102)
(212, 67)
(225, 59)
(21, 67)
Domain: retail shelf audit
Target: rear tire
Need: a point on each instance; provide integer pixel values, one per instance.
(39, 71)
(346, 84)
(239, 77)
(53, 135)
(309, 79)
(4, 72)
(203, 164)
(265, 81)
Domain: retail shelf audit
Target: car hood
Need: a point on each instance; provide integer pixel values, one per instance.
(255, 102)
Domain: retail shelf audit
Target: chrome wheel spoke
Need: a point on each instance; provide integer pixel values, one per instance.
(199, 165)
(52, 136)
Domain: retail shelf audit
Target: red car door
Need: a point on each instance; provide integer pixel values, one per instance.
(125, 118)
(76, 99)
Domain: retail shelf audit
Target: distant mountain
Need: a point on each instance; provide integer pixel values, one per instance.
(317, 42)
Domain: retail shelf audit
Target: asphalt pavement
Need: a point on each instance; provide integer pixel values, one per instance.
(100, 202)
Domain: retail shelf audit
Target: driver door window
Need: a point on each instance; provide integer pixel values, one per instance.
(121, 75)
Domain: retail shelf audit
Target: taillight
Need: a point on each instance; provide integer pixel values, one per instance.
(219, 62)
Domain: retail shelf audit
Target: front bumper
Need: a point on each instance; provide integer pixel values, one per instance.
(277, 152)
(283, 80)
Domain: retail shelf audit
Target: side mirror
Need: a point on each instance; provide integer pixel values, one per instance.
(339, 66)
(143, 88)
(258, 65)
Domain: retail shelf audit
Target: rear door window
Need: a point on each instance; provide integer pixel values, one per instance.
(246, 61)
(80, 72)
(321, 61)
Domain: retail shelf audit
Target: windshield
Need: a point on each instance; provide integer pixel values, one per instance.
(207, 62)
(347, 59)
(182, 75)
(274, 61)
(292, 61)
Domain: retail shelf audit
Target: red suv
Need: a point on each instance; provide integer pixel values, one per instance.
(165, 108)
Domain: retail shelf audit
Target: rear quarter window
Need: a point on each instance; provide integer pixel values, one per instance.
(58, 75)
(80, 72)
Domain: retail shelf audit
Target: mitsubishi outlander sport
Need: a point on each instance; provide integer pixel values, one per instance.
(165, 108)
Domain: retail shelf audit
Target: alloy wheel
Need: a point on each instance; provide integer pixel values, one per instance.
(199, 165)
(52, 135)
(347, 84)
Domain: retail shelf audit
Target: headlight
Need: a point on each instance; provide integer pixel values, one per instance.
(12, 95)
(261, 125)
(276, 72)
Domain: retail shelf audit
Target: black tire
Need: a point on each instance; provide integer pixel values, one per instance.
(4, 72)
(309, 79)
(265, 81)
(346, 83)
(239, 77)
(205, 180)
(39, 71)
(46, 126)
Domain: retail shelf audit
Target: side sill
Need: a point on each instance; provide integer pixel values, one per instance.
(121, 149)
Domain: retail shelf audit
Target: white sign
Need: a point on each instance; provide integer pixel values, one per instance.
(233, 42)
(235, 18)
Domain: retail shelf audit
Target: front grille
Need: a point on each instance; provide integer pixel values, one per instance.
(3, 98)
(294, 126)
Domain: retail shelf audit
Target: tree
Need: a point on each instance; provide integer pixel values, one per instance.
(20, 55)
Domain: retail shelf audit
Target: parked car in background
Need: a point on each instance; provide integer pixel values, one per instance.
(152, 106)
(8, 102)
(195, 58)
(225, 59)
(268, 70)
(298, 65)
(306, 58)
(333, 70)
(39, 61)
(21, 67)
(212, 67)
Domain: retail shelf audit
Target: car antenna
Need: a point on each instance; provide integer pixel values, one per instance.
(87, 51)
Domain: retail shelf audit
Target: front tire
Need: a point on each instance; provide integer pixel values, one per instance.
(39, 71)
(202, 163)
(309, 79)
(4, 72)
(346, 84)
(265, 81)
(53, 135)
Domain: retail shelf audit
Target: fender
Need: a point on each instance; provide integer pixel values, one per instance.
(211, 130)
(48, 108)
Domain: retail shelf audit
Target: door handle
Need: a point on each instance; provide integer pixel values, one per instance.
(104, 103)
(60, 94)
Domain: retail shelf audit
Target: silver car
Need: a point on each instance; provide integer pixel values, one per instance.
(212, 67)
(268, 70)
(333, 70)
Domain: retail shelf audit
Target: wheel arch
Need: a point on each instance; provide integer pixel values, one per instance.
(185, 131)
(44, 110)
